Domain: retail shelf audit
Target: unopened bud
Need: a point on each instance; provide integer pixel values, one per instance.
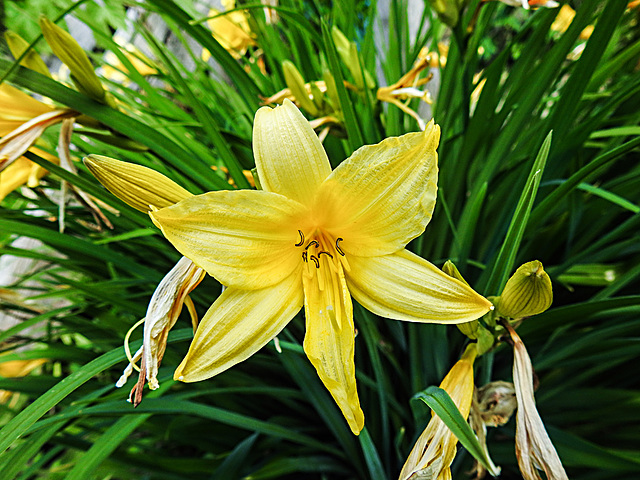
(528, 292)
(348, 52)
(66, 48)
(135, 185)
(31, 60)
(448, 10)
(295, 82)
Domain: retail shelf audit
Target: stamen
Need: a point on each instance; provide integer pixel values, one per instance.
(311, 243)
(301, 242)
(326, 253)
(315, 260)
(338, 240)
(304, 256)
(127, 350)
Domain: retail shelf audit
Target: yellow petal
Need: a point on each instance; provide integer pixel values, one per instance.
(404, 286)
(383, 195)
(135, 185)
(16, 108)
(329, 341)
(244, 238)
(238, 324)
(289, 156)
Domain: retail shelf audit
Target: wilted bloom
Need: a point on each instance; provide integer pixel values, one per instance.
(432, 454)
(163, 312)
(492, 406)
(314, 237)
(533, 445)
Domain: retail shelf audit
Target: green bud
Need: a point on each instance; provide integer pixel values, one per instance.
(295, 83)
(448, 10)
(485, 340)
(450, 269)
(332, 91)
(71, 54)
(528, 292)
(317, 96)
(349, 55)
(31, 60)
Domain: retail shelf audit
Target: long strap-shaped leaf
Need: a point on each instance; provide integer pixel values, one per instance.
(30, 415)
(120, 122)
(440, 402)
(506, 257)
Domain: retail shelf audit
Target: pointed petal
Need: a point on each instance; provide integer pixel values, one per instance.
(404, 286)
(243, 238)
(329, 342)
(383, 195)
(289, 157)
(238, 324)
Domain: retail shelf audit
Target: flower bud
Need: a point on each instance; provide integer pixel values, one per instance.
(66, 48)
(135, 185)
(295, 82)
(528, 292)
(31, 60)
(448, 11)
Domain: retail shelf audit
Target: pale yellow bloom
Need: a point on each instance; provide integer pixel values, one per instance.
(314, 237)
(435, 449)
(533, 446)
(231, 30)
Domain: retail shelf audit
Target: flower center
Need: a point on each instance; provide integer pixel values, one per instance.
(322, 255)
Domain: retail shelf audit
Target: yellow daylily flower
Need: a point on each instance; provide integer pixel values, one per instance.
(16, 109)
(231, 30)
(435, 449)
(315, 237)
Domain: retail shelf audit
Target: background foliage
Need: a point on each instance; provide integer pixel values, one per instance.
(509, 79)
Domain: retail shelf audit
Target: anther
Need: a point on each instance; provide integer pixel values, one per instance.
(338, 240)
(315, 260)
(326, 253)
(304, 256)
(311, 243)
(301, 242)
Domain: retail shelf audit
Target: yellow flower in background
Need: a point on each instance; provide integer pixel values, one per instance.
(231, 30)
(314, 237)
(113, 69)
(16, 369)
(16, 109)
(435, 449)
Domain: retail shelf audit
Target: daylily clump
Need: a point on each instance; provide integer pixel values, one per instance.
(314, 237)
